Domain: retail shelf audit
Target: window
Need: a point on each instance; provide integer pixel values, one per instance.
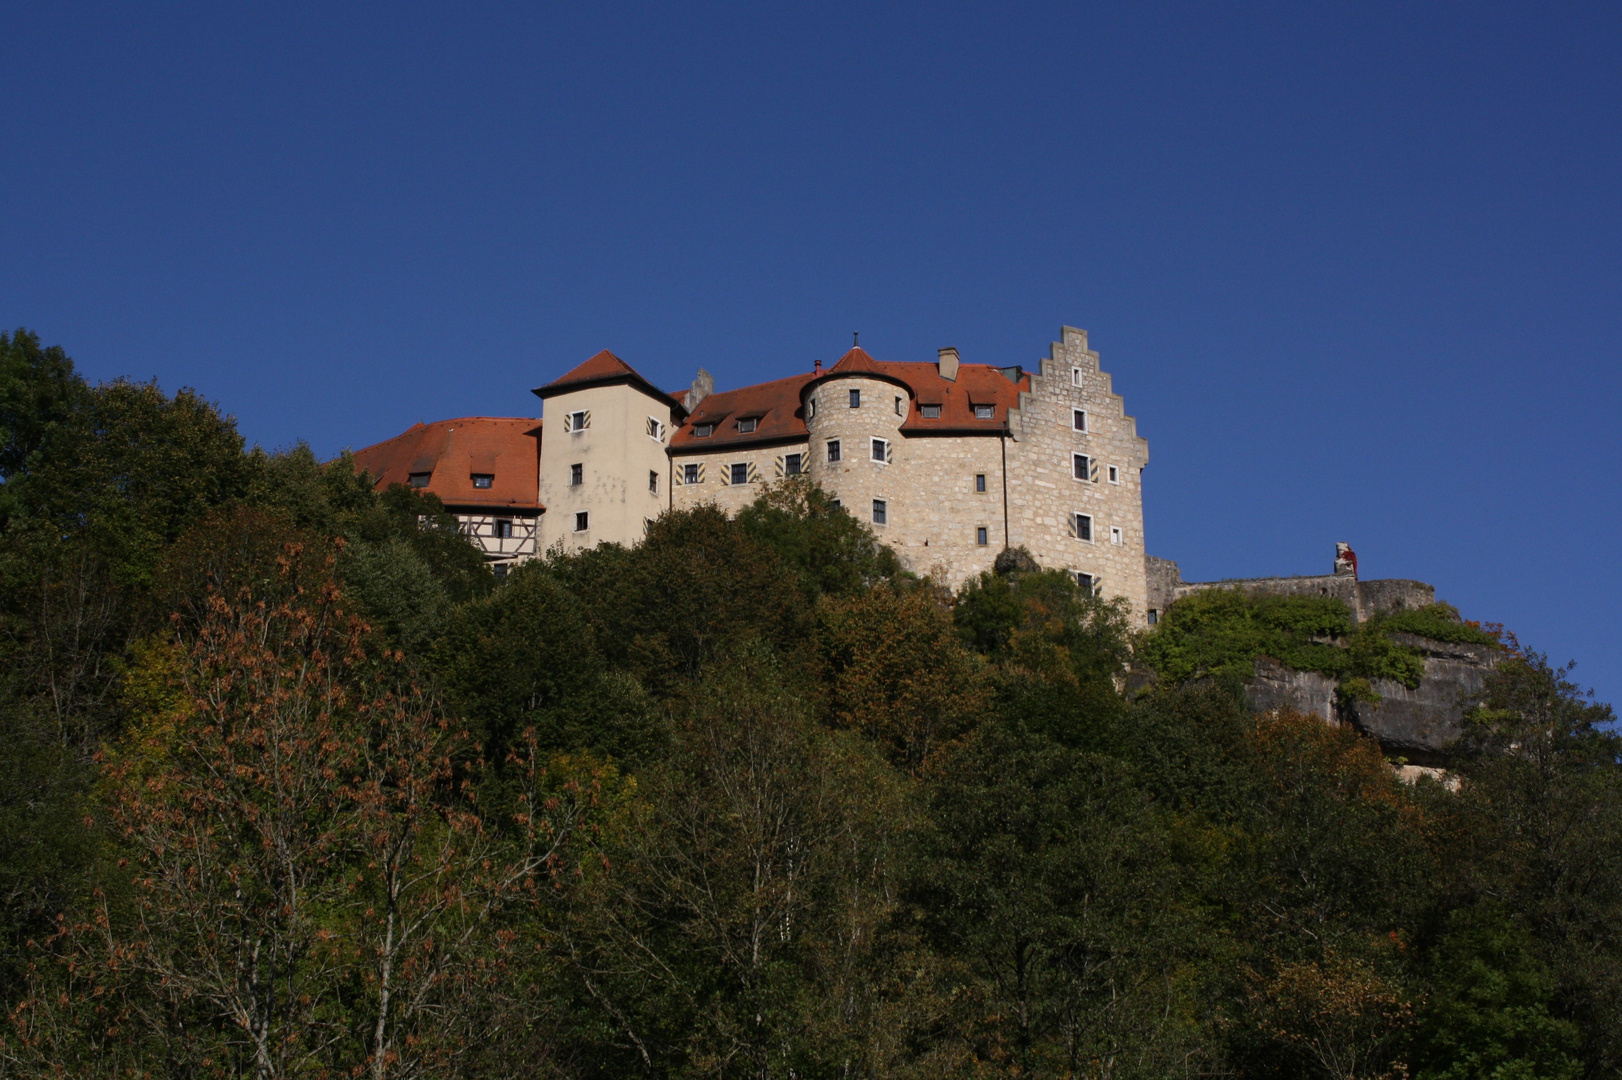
(1114, 474)
(483, 480)
(881, 450)
(504, 529)
(577, 474)
(500, 570)
(793, 464)
(1115, 536)
(740, 474)
(577, 421)
(703, 431)
(856, 399)
(980, 535)
(1088, 583)
(689, 474)
(898, 406)
(1078, 419)
(980, 483)
(419, 479)
(748, 425)
(930, 412)
(656, 428)
(880, 512)
(1081, 526)
(833, 449)
(1075, 376)
(810, 408)
(1081, 466)
(985, 412)
(653, 481)
(580, 522)
(1154, 616)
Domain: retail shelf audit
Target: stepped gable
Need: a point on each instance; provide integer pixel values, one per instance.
(775, 406)
(605, 369)
(452, 451)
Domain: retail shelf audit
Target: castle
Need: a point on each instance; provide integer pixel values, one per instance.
(950, 462)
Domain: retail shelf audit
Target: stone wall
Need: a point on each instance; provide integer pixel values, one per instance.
(1043, 492)
(765, 464)
(616, 455)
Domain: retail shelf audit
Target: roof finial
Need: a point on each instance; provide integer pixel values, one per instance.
(856, 336)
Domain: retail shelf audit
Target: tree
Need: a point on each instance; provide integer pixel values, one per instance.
(309, 886)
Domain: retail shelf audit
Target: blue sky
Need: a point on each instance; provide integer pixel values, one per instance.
(1354, 267)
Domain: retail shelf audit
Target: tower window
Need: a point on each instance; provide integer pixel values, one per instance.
(856, 399)
(1078, 419)
(898, 406)
(980, 483)
(1154, 616)
(748, 425)
(1115, 536)
(793, 464)
(880, 512)
(1075, 376)
(577, 421)
(1082, 526)
(656, 428)
(653, 481)
(689, 474)
(833, 449)
(581, 522)
(980, 535)
(1081, 466)
(577, 474)
(811, 408)
(881, 450)
(483, 481)
(740, 474)
(1114, 474)
(419, 479)
(985, 412)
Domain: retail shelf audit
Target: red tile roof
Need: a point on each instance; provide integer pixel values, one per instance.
(452, 451)
(777, 408)
(604, 369)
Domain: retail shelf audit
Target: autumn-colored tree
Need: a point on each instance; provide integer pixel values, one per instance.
(896, 670)
(308, 890)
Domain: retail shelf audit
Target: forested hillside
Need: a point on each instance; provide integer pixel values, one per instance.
(291, 786)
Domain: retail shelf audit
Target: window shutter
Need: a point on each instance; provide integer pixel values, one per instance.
(701, 472)
(587, 423)
(889, 453)
(1070, 520)
(779, 460)
(754, 473)
(1094, 463)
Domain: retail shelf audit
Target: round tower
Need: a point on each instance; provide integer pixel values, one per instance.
(854, 415)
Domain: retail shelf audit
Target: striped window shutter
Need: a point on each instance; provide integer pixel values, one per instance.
(1070, 520)
(889, 453)
(1094, 464)
(754, 473)
(701, 472)
(779, 461)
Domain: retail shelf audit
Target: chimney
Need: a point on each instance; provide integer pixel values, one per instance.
(703, 387)
(948, 364)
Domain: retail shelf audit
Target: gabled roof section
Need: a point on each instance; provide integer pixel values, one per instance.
(856, 361)
(452, 452)
(604, 369)
(775, 406)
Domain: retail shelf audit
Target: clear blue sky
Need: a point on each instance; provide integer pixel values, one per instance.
(1355, 268)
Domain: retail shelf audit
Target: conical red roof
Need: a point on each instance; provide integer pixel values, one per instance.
(856, 360)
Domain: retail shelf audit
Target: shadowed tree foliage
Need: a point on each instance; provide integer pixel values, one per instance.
(291, 785)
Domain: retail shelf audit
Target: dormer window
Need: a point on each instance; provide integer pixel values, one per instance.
(483, 481)
(985, 412)
(419, 479)
(703, 431)
(930, 412)
(748, 424)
